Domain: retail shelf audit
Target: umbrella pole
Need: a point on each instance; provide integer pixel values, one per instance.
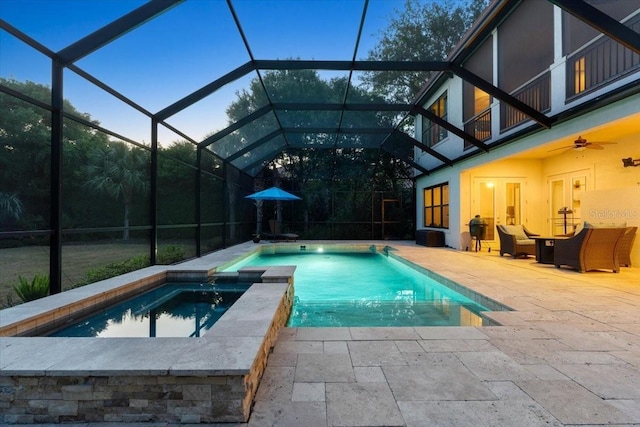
(258, 216)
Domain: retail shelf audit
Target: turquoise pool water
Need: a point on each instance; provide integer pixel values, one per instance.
(367, 289)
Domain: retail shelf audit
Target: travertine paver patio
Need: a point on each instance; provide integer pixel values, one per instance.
(568, 355)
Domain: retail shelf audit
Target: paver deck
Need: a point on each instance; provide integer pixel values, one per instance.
(568, 355)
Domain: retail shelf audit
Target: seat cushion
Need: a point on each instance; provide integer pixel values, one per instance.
(525, 242)
(516, 230)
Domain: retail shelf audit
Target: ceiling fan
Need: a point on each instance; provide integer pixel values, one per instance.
(582, 144)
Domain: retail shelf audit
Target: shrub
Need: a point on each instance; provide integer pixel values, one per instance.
(37, 288)
(170, 254)
(117, 268)
(166, 255)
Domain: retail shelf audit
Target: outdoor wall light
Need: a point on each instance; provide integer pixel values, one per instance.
(630, 162)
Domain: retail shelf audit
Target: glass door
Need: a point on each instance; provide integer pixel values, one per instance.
(484, 204)
(565, 193)
(498, 201)
(557, 206)
(513, 206)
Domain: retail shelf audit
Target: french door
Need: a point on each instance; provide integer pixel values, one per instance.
(565, 191)
(497, 201)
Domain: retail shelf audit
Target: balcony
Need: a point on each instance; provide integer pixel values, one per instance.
(479, 126)
(536, 93)
(600, 63)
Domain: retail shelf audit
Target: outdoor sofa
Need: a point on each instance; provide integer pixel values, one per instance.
(594, 247)
(625, 245)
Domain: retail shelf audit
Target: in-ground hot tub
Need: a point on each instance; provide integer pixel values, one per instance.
(212, 378)
(175, 309)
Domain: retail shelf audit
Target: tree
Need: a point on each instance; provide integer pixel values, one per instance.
(421, 32)
(121, 172)
(319, 165)
(10, 209)
(177, 171)
(25, 151)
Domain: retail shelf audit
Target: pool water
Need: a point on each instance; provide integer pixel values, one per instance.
(367, 289)
(171, 310)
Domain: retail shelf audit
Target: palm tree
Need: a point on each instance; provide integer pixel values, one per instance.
(120, 172)
(10, 205)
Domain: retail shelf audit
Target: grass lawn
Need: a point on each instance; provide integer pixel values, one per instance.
(76, 261)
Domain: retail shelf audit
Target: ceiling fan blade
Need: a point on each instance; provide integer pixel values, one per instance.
(603, 142)
(562, 148)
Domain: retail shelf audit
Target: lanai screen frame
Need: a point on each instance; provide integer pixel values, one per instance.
(393, 141)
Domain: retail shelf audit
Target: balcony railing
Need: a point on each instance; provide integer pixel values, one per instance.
(479, 126)
(536, 94)
(600, 63)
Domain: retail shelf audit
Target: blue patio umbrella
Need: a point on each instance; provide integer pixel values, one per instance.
(273, 193)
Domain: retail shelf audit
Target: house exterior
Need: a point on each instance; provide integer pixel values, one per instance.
(548, 101)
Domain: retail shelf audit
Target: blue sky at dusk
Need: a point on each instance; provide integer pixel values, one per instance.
(180, 51)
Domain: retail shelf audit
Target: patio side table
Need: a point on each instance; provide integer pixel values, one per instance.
(545, 248)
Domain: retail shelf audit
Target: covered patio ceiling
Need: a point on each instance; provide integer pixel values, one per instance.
(275, 126)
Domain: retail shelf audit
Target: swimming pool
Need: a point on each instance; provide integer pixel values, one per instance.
(367, 289)
(171, 310)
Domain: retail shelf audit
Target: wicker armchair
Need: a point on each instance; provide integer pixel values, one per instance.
(590, 249)
(516, 240)
(625, 245)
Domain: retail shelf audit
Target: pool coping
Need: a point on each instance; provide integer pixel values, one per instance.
(32, 314)
(487, 302)
(20, 323)
(235, 349)
(71, 379)
(28, 318)
(236, 337)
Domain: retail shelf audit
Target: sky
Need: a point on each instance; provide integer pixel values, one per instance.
(180, 51)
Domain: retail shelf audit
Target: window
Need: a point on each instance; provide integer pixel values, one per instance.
(436, 206)
(433, 133)
(580, 79)
(482, 101)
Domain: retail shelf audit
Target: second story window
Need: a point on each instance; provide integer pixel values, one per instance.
(433, 133)
(580, 75)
